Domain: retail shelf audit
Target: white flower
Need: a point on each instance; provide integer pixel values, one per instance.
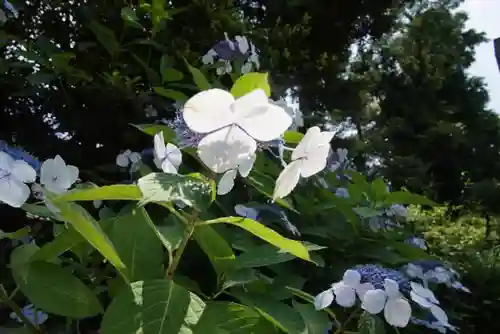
(308, 158)
(56, 176)
(226, 183)
(233, 127)
(342, 193)
(127, 158)
(242, 43)
(166, 157)
(209, 57)
(36, 317)
(246, 68)
(342, 154)
(13, 176)
(324, 299)
(254, 56)
(295, 114)
(397, 310)
(246, 212)
(350, 286)
(425, 298)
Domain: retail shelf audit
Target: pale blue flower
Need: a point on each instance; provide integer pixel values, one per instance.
(37, 318)
(10, 7)
(417, 242)
(19, 154)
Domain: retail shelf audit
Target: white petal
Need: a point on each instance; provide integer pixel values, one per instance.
(208, 111)
(226, 149)
(226, 183)
(362, 289)
(315, 162)
(13, 192)
(391, 288)
(243, 45)
(287, 180)
(424, 292)
(59, 163)
(159, 146)
(324, 299)
(174, 155)
(246, 68)
(397, 312)
(72, 174)
(345, 295)
(374, 301)
(5, 161)
(424, 302)
(127, 152)
(47, 171)
(168, 167)
(134, 157)
(260, 119)
(246, 165)
(122, 160)
(439, 314)
(22, 171)
(351, 278)
(306, 143)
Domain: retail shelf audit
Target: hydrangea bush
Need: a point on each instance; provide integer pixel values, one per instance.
(296, 240)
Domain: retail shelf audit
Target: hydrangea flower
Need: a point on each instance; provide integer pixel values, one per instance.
(56, 176)
(227, 50)
(127, 158)
(417, 242)
(397, 210)
(432, 271)
(36, 317)
(425, 298)
(168, 157)
(342, 193)
(14, 174)
(19, 154)
(184, 135)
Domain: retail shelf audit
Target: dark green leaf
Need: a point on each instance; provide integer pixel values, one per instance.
(217, 249)
(106, 37)
(129, 16)
(370, 324)
(198, 77)
(171, 94)
(239, 277)
(316, 322)
(152, 129)
(407, 198)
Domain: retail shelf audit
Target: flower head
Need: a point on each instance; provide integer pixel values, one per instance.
(13, 176)
(56, 176)
(127, 158)
(166, 157)
(36, 317)
(19, 154)
(184, 135)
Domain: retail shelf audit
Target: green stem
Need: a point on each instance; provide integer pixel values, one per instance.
(178, 253)
(4, 297)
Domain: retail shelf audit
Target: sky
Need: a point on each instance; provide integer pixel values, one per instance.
(484, 16)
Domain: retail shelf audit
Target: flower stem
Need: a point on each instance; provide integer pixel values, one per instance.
(4, 297)
(182, 247)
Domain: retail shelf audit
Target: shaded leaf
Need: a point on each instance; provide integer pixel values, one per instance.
(198, 77)
(316, 322)
(217, 249)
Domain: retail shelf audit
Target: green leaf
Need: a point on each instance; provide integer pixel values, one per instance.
(55, 290)
(250, 82)
(19, 234)
(171, 74)
(198, 77)
(162, 187)
(85, 224)
(106, 37)
(291, 246)
(378, 190)
(153, 77)
(171, 94)
(370, 324)
(39, 210)
(65, 241)
(293, 137)
(281, 315)
(261, 256)
(129, 16)
(265, 185)
(128, 192)
(366, 212)
(217, 249)
(152, 129)
(21, 255)
(39, 78)
(157, 15)
(156, 306)
(316, 322)
(137, 244)
(239, 277)
(230, 317)
(170, 232)
(407, 198)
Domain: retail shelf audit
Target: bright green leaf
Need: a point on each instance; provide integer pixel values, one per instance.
(163, 187)
(129, 16)
(137, 244)
(65, 241)
(198, 77)
(265, 233)
(250, 82)
(85, 224)
(19, 234)
(217, 249)
(156, 306)
(115, 192)
(293, 137)
(55, 290)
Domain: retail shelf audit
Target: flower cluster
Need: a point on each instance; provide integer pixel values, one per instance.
(382, 289)
(432, 271)
(228, 50)
(36, 317)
